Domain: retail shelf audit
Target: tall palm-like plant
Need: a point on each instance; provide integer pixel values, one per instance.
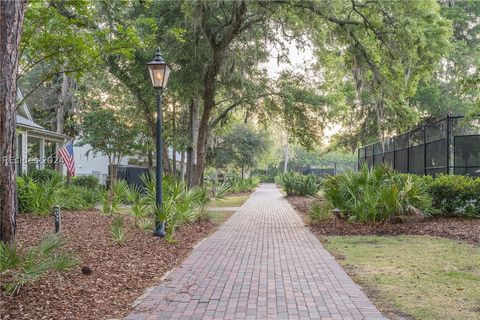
(180, 204)
(377, 194)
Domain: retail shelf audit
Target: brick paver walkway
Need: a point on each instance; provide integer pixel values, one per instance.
(263, 263)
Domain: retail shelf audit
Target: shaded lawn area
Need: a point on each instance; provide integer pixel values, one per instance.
(230, 201)
(419, 276)
(219, 217)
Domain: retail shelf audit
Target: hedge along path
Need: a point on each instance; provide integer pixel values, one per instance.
(263, 263)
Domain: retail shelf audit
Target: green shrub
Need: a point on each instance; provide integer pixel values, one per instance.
(38, 197)
(75, 198)
(243, 185)
(266, 178)
(377, 194)
(43, 175)
(321, 210)
(455, 195)
(19, 267)
(85, 181)
(295, 184)
(279, 180)
(219, 190)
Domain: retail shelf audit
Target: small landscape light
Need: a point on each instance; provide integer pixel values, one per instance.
(57, 218)
(336, 212)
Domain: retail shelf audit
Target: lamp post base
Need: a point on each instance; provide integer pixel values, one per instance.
(160, 229)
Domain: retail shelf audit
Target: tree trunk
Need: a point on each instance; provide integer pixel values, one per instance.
(182, 166)
(167, 168)
(208, 104)
(219, 40)
(150, 160)
(285, 164)
(174, 152)
(62, 101)
(174, 162)
(11, 22)
(192, 136)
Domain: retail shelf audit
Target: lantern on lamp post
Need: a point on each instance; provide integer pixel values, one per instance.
(159, 73)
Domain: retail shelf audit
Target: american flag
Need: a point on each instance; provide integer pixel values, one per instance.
(67, 154)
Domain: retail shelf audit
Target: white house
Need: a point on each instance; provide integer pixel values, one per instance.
(35, 145)
(88, 164)
(36, 149)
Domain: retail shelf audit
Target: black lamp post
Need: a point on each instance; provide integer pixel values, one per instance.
(159, 72)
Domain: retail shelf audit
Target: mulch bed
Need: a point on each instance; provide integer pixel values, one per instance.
(120, 274)
(453, 228)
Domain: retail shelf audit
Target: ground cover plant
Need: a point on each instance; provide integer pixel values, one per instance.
(377, 195)
(22, 266)
(420, 277)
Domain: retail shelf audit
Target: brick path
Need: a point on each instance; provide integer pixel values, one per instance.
(263, 263)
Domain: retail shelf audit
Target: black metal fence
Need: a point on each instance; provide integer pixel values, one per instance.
(327, 168)
(450, 145)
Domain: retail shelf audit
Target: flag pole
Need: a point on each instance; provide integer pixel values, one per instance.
(63, 145)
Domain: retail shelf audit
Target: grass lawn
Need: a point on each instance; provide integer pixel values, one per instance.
(219, 217)
(229, 201)
(421, 276)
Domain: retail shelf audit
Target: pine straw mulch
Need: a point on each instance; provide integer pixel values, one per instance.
(120, 274)
(453, 228)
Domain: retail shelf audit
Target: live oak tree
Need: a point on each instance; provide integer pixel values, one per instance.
(444, 92)
(374, 54)
(388, 46)
(370, 57)
(11, 22)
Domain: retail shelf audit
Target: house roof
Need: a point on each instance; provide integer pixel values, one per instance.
(24, 119)
(38, 129)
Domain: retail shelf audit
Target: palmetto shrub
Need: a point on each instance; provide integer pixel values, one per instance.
(117, 230)
(377, 194)
(42, 175)
(295, 184)
(39, 195)
(112, 199)
(19, 266)
(75, 198)
(180, 204)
